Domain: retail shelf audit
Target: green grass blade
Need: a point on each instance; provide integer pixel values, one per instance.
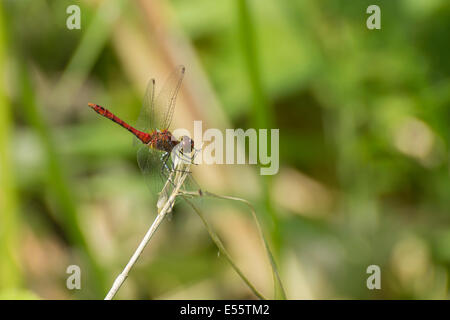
(9, 272)
(261, 109)
(67, 214)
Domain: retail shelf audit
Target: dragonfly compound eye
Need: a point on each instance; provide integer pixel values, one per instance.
(187, 144)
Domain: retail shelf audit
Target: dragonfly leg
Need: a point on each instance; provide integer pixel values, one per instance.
(183, 157)
(166, 176)
(177, 170)
(174, 170)
(165, 160)
(165, 166)
(182, 171)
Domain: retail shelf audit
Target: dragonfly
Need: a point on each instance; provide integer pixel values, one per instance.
(159, 147)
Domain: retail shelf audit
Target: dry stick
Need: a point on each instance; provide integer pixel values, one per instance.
(179, 179)
(180, 176)
(121, 278)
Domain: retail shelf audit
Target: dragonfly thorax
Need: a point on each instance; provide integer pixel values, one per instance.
(162, 140)
(165, 141)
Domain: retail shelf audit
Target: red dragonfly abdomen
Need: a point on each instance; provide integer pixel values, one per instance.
(144, 137)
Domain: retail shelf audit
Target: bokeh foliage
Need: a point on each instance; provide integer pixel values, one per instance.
(364, 157)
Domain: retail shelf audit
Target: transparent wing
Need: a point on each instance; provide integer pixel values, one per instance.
(147, 120)
(151, 165)
(165, 101)
(190, 187)
(158, 168)
(157, 111)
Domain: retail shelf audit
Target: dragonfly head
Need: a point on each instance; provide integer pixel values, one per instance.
(187, 144)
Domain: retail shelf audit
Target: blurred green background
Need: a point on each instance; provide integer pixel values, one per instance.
(364, 161)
